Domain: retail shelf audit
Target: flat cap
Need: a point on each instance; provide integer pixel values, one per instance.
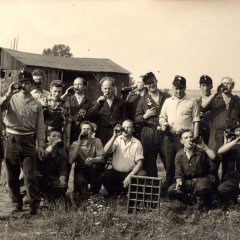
(205, 79)
(25, 76)
(179, 81)
(149, 78)
(235, 125)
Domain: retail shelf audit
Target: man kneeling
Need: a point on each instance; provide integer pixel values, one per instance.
(53, 168)
(127, 159)
(192, 171)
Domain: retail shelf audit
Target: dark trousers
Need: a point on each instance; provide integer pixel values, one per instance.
(104, 133)
(229, 188)
(21, 153)
(166, 145)
(197, 187)
(87, 175)
(112, 181)
(50, 188)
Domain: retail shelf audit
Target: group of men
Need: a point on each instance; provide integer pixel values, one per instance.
(50, 132)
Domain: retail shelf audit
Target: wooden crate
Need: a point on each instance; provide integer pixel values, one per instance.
(144, 194)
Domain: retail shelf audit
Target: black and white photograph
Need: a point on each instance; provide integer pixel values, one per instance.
(120, 119)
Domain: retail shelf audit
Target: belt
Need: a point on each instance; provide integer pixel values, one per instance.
(15, 132)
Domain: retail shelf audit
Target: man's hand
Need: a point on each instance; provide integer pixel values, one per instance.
(89, 161)
(178, 183)
(126, 181)
(55, 142)
(116, 131)
(149, 113)
(101, 99)
(12, 90)
(62, 182)
(70, 91)
(40, 152)
(164, 126)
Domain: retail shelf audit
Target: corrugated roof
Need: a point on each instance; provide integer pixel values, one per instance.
(66, 63)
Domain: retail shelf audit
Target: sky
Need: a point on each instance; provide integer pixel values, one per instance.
(188, 38)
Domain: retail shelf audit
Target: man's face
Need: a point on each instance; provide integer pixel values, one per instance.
(54, 136)
(107, 88)
(151, 87)
(140, 84)
(38, 80)
(78, 85)
(128, 127)
(206, 89)
(27, 86)
(56, 92)
(86, 128)
(187, 139)
(229, 84)
(179, 92)
(237, 131)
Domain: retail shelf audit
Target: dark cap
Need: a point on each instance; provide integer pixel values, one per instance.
(235, 125)
(149, 78)
(37, 72)
(25, 76)
(179, 81)
(205, 79)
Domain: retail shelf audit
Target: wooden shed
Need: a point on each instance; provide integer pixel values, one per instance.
(66, 69)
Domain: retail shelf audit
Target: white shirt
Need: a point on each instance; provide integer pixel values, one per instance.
(180, 113)
(126, 156)
(79, 98)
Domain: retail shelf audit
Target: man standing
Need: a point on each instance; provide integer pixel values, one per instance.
(24, 122)
(147, 115)
(108, 110)
(205, 84)
(79, 105)
(224, 110)
(132, 102)
(178, 112)
(37, 92)
(57, 112)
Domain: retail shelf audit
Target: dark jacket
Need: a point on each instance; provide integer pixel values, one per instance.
(143, 106)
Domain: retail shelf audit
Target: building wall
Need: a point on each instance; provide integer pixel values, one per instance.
(93, 79)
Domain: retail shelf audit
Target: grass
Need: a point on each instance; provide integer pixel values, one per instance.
(98, 219)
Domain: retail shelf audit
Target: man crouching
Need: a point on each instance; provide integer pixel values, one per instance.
(127, 159)
(53, 168)
(192, 171)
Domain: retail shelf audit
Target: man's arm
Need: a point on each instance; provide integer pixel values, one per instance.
(228, 146)
(195, 118)
(74, 150)
(207, 101)
(108, 148)
(135, 170)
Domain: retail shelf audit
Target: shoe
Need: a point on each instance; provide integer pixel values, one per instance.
(16, 209)
(33, 211)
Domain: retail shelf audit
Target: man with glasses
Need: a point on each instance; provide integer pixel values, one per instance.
(178, 112)
(147, 115)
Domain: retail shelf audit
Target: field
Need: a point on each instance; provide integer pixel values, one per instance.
(97, 218)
